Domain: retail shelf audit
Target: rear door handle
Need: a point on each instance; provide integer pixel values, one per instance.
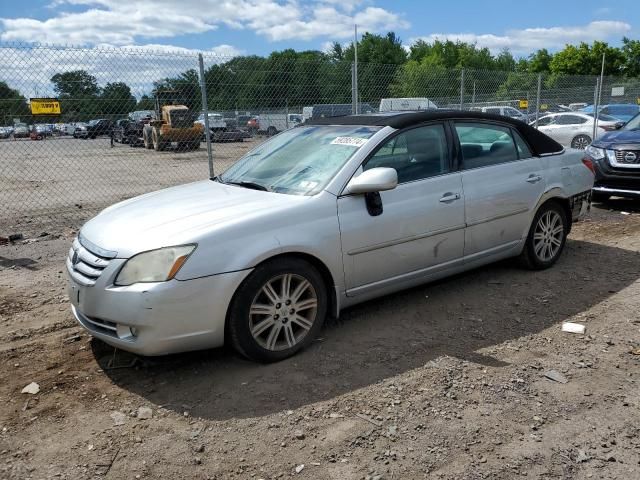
(450, 197)
(533, 178)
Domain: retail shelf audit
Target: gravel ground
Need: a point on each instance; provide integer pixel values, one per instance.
(444, 381)
(62, 180)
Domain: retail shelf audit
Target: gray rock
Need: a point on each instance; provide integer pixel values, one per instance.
(118, 418)
(556, 376)
(145, 413)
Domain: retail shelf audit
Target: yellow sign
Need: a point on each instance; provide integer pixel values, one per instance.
(45, 106)
(544, 107)
(638, 100)
(524, 103)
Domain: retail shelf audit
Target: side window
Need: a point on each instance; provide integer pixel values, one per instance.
(570, 120)
(484, 144)
(494, 110)
(544, 121)
(415, 154)
(521, 146)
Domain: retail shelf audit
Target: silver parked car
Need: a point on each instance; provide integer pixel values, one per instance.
(319, 218)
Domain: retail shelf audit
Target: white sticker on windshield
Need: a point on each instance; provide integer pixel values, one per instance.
(349, 141)
(308, 184)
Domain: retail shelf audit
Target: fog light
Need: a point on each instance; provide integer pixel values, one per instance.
(126, 333)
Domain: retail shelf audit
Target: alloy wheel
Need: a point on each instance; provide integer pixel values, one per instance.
(548, 236)
(283, 312)
(581, 142)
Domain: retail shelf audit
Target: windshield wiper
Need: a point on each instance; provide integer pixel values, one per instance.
(252, 185)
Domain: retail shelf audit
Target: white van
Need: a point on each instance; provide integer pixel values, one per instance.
(403, 104)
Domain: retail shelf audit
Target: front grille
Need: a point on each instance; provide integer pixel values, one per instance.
(628, 157)
(181, 118)
(85, 267)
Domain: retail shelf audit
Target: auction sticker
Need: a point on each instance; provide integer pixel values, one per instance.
(349, 141)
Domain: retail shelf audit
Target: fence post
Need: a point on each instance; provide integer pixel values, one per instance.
(461, 88)
(538, 98)
(595, 108)
(205, 110)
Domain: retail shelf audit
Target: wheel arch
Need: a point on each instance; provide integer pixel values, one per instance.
(558, 196)
(332, 293)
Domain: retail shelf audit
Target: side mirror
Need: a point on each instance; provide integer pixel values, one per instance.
(374, 180)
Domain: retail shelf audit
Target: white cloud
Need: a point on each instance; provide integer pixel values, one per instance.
(29, 69)
(124, 22)
(327, 21)
(530, 39)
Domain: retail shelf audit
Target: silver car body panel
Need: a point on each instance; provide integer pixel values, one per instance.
(463, 220)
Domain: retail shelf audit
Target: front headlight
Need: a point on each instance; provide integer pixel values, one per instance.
(154, 266)
(595, 152)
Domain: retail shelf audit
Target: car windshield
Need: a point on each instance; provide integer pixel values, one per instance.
(633, 124)
(299, 161)
(93, 122)
(604, 117)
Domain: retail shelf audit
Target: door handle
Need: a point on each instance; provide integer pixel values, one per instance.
(450, 197)
(533, 178)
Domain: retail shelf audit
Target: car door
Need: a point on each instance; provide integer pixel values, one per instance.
(422, 221)
(502, 182)
(570, 127)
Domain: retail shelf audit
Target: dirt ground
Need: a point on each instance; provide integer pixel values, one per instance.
(444, 381)
(63, 180)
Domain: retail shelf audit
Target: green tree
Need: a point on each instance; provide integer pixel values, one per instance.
(78, 91)
(187, 88)
(379, 57)
(75, 84)
(12, 104)
(116, 99)
(540, 61)
(631, 55)
(145, 103)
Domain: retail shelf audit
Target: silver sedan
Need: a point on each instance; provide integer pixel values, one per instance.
(319, 218)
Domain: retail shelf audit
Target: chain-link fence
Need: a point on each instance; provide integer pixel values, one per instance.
(133, 120)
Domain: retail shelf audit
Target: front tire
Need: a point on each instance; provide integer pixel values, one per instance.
(547, 237)
(581, 142)
(278, 310)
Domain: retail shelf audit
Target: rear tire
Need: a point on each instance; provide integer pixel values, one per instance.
(271, 131)
(278, 310)
(146, 139)
(547, 237)
(158, 144)
(581, 142)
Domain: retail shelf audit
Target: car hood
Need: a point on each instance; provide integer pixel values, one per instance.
(618, 138)
(178, 215)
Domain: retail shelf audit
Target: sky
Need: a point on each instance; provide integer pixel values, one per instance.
(233, 27)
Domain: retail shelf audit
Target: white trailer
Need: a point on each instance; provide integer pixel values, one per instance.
(403, 104)
(272, 123)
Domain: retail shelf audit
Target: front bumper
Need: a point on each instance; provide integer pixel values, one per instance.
(616, 180)
(155, 318)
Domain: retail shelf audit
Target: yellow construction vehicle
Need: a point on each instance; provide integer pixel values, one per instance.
(174, 123)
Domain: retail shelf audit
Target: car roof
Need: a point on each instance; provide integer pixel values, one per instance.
(540, 143)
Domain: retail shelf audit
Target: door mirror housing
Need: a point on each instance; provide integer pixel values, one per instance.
(374, 180)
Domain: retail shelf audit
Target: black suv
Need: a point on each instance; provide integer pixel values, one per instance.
(94, 129)
(616, 160)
